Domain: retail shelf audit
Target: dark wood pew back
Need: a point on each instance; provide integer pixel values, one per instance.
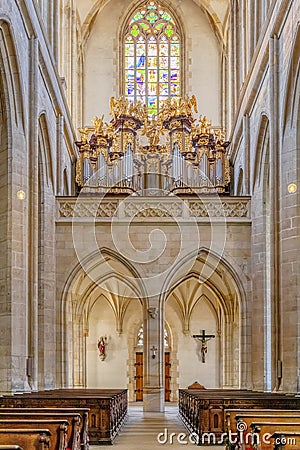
(108, 408)
(27, 439)
(58, 429)
(75, 433)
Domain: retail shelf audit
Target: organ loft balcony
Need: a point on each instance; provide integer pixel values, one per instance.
(168, 165)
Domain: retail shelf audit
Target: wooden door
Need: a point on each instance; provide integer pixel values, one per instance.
(139, 377)
(167, 377)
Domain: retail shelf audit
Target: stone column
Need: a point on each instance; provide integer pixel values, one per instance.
(153, 357)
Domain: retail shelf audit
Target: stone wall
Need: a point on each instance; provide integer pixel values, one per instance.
(265, 146)
(36, 145)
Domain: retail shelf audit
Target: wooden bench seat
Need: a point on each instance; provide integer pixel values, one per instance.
(248, 415)
(58, 429)
(203, 411)
(27, 439)
(108, 408)
(285, 440)
(264, 430)
(77, 432)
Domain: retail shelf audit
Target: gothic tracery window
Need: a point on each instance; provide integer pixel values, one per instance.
(140, 337)
(152, 56)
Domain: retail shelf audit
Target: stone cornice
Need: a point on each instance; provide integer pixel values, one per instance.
(154, 209)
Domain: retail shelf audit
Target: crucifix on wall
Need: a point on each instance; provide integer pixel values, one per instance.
(203, 338)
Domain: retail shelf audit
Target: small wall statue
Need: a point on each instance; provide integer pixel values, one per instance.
(102, 343)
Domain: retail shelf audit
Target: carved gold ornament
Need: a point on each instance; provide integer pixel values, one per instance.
(189, 153)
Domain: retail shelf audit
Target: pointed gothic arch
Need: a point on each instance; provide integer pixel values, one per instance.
(86, 284)
(227, 284)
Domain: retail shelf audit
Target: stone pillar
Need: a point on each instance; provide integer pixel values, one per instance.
(153, 357)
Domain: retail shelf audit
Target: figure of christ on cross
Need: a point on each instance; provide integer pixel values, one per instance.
(203, 338)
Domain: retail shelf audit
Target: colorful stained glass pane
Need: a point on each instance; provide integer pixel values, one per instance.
(169, 31)
(145, 26)
(167, 18)
(159, 26)
(135, 30)
(174, 89)
(131, 99)
(152, 49)
(163, 89)
(175, 64)
(163, 49)
(174, 75)
(140, 49)
(151, 5)
(129, 88)
(129, 76)
(163, 76)
(174, 49)
(140, 76)
(152, 57)
(140, 89)
(129, 49)
(152, 75)
(152, 105)
(136, 17)
(163, 62)
(152, 62)
(151, 88)
(129, 62)
(141, 62)
(152, 17)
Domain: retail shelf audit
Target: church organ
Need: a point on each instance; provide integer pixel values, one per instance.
(171, 153)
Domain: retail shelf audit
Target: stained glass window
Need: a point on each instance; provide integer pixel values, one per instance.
(152, 57)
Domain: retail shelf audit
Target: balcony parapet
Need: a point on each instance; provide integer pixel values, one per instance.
(150, 209)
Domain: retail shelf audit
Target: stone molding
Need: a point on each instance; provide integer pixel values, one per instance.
(229, 209)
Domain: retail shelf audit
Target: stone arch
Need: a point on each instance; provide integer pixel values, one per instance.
(262, 137)
(204, 5)
(226, 283)
(120, 286)
(10, 71)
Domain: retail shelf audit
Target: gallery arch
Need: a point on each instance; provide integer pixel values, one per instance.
(101, 303)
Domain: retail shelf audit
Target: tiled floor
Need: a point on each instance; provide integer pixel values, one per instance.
(145, 431)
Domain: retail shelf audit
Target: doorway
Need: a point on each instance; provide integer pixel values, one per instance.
(139, 377)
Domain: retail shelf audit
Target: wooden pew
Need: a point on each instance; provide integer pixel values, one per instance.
(203, 411)
(239, 424)
(57, 428)
(265, 429)
(108, 407)
(285, 440)
(27, 439)
(77, 432)
(249, 415)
